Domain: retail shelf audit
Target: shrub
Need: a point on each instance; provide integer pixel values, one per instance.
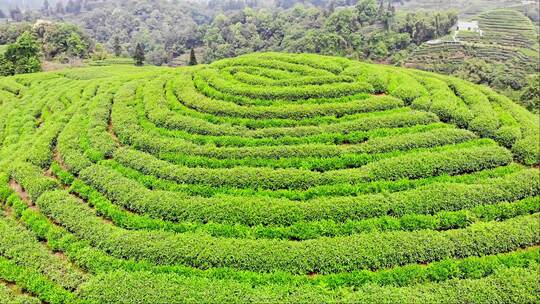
(527, 150)
(31, 179)
(265, 178)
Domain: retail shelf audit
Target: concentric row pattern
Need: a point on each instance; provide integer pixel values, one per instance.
(265, 178)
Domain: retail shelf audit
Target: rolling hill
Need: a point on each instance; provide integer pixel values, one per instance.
(265, 178)
(466, 8)
(507, 38)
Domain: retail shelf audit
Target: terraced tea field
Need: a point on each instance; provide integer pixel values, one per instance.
(508, 37)
(466, 8)
(265, 178)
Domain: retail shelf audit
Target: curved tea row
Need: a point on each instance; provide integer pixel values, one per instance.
(265, 178)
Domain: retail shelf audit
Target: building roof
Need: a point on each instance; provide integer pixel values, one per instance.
(473, 25)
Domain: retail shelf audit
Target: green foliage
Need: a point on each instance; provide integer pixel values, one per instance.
(31, 179)
(305, 230)
(9, 296)
(367, 11)
(502, 56)
(527, 150)
(266, 178)
(405, 247)
(18, 244)
(62, 39)
(35, 282)
(21, 57)
(192, 58)
(513, 285)
(530, 97)
(53, 41)
(138, 56)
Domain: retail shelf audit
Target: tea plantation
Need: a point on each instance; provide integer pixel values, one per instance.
(266, 178)
(507, 37)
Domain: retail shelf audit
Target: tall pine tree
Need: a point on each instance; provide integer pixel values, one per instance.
(117, 47)
(192, 58)
(139, 55)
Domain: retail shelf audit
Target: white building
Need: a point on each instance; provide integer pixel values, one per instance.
(468, 26)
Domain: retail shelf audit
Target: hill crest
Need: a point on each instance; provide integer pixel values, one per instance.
(265, 178)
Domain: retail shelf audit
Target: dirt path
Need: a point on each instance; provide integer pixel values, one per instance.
(110, 129)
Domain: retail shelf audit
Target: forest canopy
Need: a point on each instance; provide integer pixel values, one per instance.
(367, 29)
(27, 43)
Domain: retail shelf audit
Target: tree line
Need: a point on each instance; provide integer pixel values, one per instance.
(368, 30)
(365, 29)
(29, 43)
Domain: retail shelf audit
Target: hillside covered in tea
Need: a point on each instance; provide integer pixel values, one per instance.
(501, 52)
(265, 178)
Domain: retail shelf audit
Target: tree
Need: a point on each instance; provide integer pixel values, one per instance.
(21, 56)
(70, 7)
(16, 14)
(117, 47)
(330, 9)
(139, 54)
(2, 14)
(45, 7)
(100, 53)
(342, 22)
(192, 58)
(367, 11)
(530, 97)
(6, 66)
(77, 7)
(477, 71)
(9, 32)
(76, 47)
(60, 10)
(388, 16)
(61, 39)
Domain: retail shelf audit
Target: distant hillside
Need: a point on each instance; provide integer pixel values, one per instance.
(505, 43)
(5, 4)
(466, 8)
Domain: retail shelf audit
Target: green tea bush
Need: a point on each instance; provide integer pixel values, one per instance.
(171, 249)
(527, 150)
(268, 178)
(260, 210)
(505, 286)
(9, 296)
(31, 179)
(18, 244)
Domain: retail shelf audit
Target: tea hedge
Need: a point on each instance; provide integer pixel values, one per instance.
(268, 178)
